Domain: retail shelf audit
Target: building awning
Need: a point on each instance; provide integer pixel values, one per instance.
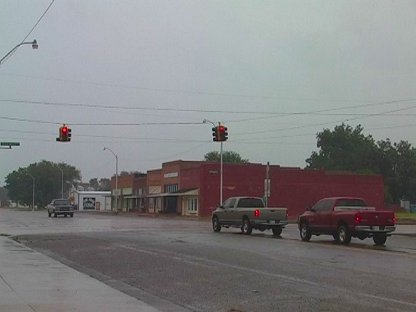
(185, 192)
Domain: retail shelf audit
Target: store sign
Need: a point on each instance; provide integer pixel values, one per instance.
(170, 175)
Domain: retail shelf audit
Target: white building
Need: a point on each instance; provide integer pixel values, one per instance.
(91, 200)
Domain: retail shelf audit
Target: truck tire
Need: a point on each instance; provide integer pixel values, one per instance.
(343, 234)
(71, 214)
(247, 228)
(49, 214)
(305, 232)
(55, 215)
(216, 227)
(379, 238)
(277, 230)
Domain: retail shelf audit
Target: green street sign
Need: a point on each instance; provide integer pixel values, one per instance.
(9, 144)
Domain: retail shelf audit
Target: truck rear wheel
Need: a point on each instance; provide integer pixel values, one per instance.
(379, 239)
(344, 235)
(247, 227)
(277, 230)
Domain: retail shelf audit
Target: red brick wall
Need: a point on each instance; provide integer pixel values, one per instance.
(293, 188)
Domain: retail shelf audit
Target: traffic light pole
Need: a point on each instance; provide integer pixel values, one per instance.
(221, 176)
(219, 134)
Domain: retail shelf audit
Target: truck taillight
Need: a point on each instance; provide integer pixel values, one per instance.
(257, 213)
(394, 219)
(358, 218)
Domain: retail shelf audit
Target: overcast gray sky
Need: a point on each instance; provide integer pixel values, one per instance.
(275, 72)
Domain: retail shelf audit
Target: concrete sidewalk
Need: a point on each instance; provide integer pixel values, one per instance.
(405, 229)
(30, 281)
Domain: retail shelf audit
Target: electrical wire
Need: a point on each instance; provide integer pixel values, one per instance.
(40, 18)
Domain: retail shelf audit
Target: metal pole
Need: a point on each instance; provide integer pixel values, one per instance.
(33, 195)
(221, 171)
(116, 191)
(33, 191)
(34, 44)
(62, 183)
(116, 183)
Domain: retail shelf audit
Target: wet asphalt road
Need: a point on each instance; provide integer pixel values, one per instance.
(178, 265)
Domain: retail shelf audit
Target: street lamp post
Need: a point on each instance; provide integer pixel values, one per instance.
(116, 192)
(62, 181)
(34, 44)
(33, 191)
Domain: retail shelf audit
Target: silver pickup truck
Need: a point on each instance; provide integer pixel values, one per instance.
(249, 213)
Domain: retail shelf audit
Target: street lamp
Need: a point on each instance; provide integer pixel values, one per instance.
(62, 181)
(34, 44)
(116, 192)
(33, 191)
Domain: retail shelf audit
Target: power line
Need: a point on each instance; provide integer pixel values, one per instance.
(31, 30)
(40, 18)
(101, 124)
(322, 112)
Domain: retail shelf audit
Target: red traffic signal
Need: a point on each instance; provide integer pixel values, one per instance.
(219, 133)
(64, 134)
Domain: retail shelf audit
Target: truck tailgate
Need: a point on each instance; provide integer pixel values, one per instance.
(272, 213)
(375, 218)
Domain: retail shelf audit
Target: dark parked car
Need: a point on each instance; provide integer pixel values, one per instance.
(60, 206)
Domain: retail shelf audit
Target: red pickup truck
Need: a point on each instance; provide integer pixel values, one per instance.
(346, 217)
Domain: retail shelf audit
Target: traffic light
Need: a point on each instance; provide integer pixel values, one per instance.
(219, 133)
(64, 134)
(222, 133)
(214, 134)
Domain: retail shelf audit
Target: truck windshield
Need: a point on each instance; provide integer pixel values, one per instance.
(61, 202)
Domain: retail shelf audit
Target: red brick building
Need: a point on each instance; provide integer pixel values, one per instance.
(131, 191)
(192, 187)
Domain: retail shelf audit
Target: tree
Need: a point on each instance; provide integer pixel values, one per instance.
(105, 184)
(94, 183)
(227, 157)
(344, 148)
(48, 176)
(4, 198)
(348, 149)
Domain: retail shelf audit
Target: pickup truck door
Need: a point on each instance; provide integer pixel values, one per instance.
(321, 219)
(227, 213)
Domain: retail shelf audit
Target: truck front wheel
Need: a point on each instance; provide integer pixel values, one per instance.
(344, 235)
(379, 239)
(305, 232)
(216, 227)
(247, 227)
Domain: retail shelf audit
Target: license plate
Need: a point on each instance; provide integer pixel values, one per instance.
(272, 221)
